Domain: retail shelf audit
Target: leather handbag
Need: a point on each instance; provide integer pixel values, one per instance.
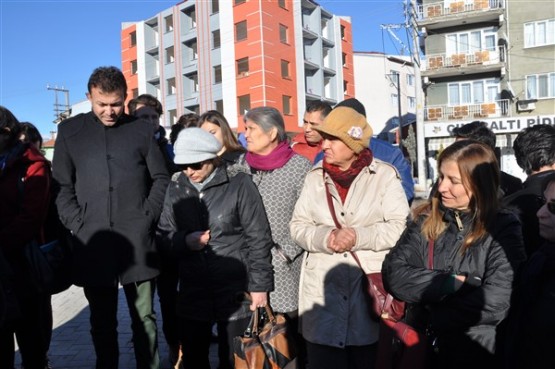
(265, 343)
(382, 304)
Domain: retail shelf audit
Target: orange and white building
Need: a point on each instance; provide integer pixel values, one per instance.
(234, 55)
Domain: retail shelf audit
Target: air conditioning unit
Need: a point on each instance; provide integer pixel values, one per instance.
(526, 105)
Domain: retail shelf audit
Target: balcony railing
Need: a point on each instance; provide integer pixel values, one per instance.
(481, 57)
(441, 9)
(498, 108)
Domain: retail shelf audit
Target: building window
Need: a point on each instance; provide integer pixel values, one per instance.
(342, 30)
(168, 21)
(393, 100)
(286, 104)
(540, 86)
(172, 116)
(410, 79)
(244, 103)
(194, 51)
(283, 33)
(133, 67)
(218, 74)
(473, 92)
(192, 15)
(171, 86)
(345, 87)
(394, 77)
(539, 33)
(170, 55)
(133, 38)
(470, 42)
(411, 103)
(281, 4)
(216, 39)
(134, 93)
(194, 80)
(243, 67)
(215, 6)
(285, 69)
(241, 30)
(220, 106)
(344, 59)
(237, 2)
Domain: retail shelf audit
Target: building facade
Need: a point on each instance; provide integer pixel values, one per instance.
(488, 60)
(231, 56)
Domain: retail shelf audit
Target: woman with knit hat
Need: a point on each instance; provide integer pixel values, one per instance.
(216, 226)
(351, 211)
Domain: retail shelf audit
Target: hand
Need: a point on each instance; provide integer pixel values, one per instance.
(196, 241)
(344, 240)
(259, 299)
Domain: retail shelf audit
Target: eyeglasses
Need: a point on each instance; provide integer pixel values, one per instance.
(193, 166)
(550, 205)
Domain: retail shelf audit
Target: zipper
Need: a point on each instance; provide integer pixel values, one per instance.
(458, 220)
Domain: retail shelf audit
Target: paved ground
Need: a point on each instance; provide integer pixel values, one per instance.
(71, 346)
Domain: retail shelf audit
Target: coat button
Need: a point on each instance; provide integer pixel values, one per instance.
(340, 343)
(110, 188)
(345, 255)
(345, 298)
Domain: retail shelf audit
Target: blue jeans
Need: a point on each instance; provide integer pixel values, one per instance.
(103, 304)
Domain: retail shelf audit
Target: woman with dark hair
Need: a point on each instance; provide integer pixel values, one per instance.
(25, 182)
(214, 122)
(30, 134)
(477, 248)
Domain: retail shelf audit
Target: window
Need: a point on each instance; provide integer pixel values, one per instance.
(393, 100)
(194, 51)
(172, 116)
(241, 30)
(192, 18)
(168, 21)
(218, 74)
(133, 67)
(473, 92)
(286, 104)
(237, 2)
(243, 67)
(410, 79)
(244, 103)
(216, 39)
(194, 80)
(345, 87)
(171, 86)
(283, 33)
(134, 93)
(411, 103)
(281, 4)
(170, 55)
(344, 59)
(342, 30)
(540, 86)
(539, 33)
(220, 106)
(133, 38)
(285, 69)
(215, 6)
(394, 77)
(470, 42)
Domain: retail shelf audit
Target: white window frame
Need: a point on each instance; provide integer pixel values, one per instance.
(533, 86)
(464, 42)
(466, 92)
(539, 33)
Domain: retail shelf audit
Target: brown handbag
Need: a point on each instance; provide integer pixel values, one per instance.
(382, 304)
(265, 344)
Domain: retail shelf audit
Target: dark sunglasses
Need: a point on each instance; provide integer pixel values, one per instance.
(550, 205)
(193, 166)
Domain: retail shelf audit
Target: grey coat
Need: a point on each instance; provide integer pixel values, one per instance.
(112, 184)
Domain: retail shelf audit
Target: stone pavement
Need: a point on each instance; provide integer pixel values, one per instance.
(72, 347)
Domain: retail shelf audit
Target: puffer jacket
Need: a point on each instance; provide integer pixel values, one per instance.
(332, 305)
(237, 258)
(463, 316)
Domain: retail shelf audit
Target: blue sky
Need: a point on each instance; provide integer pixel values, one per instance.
(59, 43)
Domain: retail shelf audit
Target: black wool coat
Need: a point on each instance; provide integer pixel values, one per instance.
(112, 184)
(237, 259)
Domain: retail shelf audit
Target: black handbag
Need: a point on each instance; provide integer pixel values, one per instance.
(50, 265)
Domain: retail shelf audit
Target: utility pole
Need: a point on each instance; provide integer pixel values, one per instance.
(61, 111)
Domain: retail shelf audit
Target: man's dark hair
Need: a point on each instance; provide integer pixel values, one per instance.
(108, 79)
(184, 121)
(323, 107)
(535, 147)
(477, 131)
(353, 104)
(146, 100)
(31, 133)
(9, 125)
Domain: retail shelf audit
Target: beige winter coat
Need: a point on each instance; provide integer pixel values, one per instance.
(333, 310)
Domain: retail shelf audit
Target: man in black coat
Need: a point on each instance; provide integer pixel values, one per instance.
(112, 180)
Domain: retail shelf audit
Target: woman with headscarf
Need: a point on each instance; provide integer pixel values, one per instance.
(370, 207)
(216, 227)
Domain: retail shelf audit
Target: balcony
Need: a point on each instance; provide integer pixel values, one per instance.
(498, 108)
(444, 14)
(481, 61)
(309, 33)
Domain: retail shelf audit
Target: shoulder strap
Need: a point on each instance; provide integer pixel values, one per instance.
(330, 202)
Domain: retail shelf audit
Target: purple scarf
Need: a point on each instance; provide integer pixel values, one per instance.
(276, 159)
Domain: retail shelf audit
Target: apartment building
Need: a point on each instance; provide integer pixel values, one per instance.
(233, 55)
(488, 60)
(386, 86)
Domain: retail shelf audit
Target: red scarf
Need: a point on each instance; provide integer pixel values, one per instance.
(343, 179)
(274, 160)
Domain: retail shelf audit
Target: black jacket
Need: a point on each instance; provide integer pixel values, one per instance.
(463, 316)
(237, 259)
(112, 184)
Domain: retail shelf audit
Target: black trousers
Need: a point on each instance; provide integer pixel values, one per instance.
(350, 357)
(195, 339)
(103, 304)
(166, 284)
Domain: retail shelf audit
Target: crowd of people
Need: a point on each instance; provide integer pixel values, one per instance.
(217, 229)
